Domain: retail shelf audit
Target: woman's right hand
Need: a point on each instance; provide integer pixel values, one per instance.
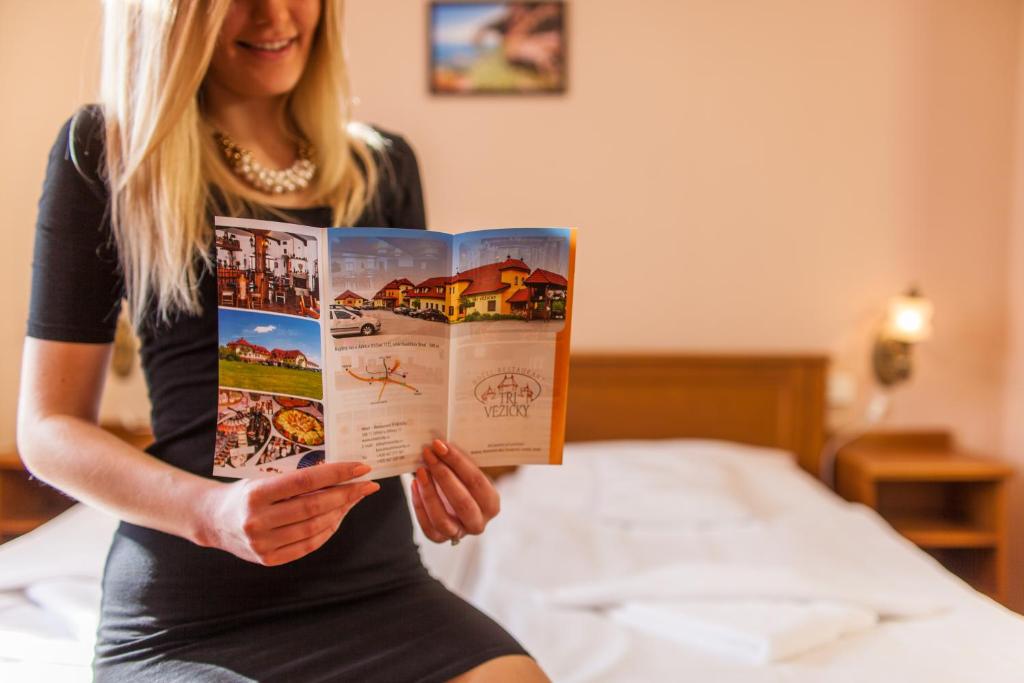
(275, 520)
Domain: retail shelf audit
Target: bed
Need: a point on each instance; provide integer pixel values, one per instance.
(686, 537)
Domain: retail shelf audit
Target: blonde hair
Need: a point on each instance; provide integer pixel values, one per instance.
(161, 157)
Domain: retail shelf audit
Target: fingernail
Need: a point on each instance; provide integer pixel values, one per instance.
(429, 456)
(440, 448)
(368, 488)
(360, 470)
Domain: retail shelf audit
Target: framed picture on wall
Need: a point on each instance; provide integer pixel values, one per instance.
(497, 47)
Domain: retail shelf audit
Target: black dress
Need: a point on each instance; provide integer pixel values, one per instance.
(360, 608)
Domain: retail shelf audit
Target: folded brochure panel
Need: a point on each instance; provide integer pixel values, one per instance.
(364, 344)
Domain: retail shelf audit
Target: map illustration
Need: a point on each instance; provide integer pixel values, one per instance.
(385, 371)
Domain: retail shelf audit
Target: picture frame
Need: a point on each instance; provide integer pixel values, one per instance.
(508, 47)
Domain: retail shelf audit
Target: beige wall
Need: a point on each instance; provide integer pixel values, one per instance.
(49, 60)
(754, 176)
(1014, 408)
(1014, 444)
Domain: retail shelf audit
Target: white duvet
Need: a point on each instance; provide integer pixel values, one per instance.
(702, 560)
(635, 561)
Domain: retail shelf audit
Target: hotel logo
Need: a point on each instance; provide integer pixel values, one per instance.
(507, 393)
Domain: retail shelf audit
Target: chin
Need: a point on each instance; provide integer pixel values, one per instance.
(269, 88)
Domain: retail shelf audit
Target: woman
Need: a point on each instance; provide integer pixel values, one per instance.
(302, 576)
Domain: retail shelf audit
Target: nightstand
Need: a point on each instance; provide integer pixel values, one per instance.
(949, 503)
(26, 502)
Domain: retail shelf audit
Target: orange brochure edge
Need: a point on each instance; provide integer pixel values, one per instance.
(561, 379)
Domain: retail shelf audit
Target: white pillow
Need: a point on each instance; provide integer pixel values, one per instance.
(647, 482)
(668, 489)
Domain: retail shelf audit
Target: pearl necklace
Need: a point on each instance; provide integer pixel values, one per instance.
(269, 180)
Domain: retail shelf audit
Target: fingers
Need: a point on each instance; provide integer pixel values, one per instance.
(307, 528)
(291, 484)
(421, 515)
(465, 507)
(310, 505)
(438, 517)
(287, 542)
(471, 476)
(294, 551)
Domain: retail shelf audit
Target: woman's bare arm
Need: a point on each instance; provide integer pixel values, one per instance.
(267, 521)
(61, 443)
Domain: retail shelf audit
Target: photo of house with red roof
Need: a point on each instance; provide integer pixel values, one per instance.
(501, 289)
(350, 298)
(270, 353)
(291, 358)
(487, 289)
(249, 352)
(254, 353)
(392, 294)
(488, 275)
(432, 293)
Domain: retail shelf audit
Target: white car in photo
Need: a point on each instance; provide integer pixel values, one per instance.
(346, 321)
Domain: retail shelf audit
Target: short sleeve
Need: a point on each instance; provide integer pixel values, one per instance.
(399, 196)
(409, 209)
(76, 279)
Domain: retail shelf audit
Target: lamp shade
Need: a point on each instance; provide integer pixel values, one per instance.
(910, 319)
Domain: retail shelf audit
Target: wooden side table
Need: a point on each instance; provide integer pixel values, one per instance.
(949, 503)
(26, 502)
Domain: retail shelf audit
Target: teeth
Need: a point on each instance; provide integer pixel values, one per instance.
(278, 45)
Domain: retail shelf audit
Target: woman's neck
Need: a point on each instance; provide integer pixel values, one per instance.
(259, 125)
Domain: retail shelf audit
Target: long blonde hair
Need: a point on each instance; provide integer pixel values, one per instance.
(161, 158)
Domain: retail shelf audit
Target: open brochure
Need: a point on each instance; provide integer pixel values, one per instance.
(365, 344)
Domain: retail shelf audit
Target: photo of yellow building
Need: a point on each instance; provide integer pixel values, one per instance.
(350, 298)
(504, 288)
(430, 294)
(409, 280)
(486, 289)
(392, 294)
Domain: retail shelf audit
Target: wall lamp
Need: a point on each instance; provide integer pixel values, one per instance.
(909, 322)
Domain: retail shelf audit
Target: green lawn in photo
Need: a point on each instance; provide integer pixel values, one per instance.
(271, 379)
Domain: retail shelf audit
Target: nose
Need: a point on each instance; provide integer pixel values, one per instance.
(270, 12)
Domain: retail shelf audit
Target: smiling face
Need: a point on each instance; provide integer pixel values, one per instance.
(263, 46)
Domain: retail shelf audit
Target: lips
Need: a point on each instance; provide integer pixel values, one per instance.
(268, 46)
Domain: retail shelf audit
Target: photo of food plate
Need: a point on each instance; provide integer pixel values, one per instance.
(255, 429)
(291, 402)
(240, 437)
(299, 426)
(277, 449)
(228, 397)
(311, 459)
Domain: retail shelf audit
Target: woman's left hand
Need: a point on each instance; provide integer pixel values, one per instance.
(451, 495)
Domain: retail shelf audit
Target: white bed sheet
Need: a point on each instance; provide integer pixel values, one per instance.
(49, 597)
(572, 527)
(555, 536)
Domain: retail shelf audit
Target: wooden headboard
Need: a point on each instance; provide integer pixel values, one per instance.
(776, 401)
